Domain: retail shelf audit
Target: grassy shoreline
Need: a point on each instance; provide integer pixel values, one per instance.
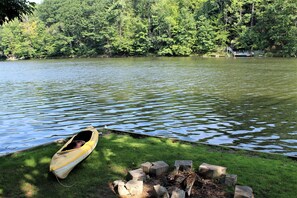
(25, 174)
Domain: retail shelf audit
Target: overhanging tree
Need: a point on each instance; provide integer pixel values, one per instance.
(11, 9)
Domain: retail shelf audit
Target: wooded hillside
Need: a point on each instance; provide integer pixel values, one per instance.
(69, 28)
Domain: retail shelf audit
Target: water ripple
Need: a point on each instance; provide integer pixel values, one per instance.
(233, 104)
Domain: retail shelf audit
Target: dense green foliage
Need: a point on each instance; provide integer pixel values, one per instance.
(10, 9)
(162, 27)
(26, 174)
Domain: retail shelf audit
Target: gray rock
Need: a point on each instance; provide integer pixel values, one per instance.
(230, 180)
(211, 171)
(134, 187)
(243, 192)
(122, 190)
(183, 164)
(146, 167)
(137, 174)
(161, 191)
(158, 168)
(117, 182)
(178, 193)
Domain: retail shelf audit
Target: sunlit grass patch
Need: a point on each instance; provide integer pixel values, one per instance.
(30, 162)
(26, 174)
(29, 177)
(118, 168)
(44, 160)
(28, 189)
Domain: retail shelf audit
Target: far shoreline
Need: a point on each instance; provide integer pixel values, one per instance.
(208, 55)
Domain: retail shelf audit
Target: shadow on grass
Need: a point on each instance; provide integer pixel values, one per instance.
(26, 174)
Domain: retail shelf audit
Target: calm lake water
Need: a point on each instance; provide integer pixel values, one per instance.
(243, 103)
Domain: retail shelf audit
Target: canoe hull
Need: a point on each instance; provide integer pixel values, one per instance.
(66, 159)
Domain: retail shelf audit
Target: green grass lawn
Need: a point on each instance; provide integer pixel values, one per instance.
(26, 174)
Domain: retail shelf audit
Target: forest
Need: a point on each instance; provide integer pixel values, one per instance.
(91, 28)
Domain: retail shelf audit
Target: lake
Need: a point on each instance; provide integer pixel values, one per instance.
(248, 103)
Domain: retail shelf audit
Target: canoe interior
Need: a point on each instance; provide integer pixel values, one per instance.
(84, 135)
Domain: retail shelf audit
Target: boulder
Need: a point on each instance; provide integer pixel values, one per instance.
(122, 190)
(146, 167)
(158, 168)
(137, 174)
(209, 171)
(134, 187)
(183, 165)
(161, 191)
(230, 180)
(116, 182)
(178, 193)
(243, 192)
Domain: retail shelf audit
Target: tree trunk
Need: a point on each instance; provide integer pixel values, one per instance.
(252, 15)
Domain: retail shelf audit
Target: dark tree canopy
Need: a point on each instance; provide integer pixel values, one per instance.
(10, 9)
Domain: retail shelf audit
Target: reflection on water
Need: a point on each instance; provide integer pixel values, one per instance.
(244, 103)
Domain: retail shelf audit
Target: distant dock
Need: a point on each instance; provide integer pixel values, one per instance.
(240, 53)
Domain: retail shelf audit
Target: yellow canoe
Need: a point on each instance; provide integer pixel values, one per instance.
(74, 151)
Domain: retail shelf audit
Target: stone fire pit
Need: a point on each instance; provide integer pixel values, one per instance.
(157, 179)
